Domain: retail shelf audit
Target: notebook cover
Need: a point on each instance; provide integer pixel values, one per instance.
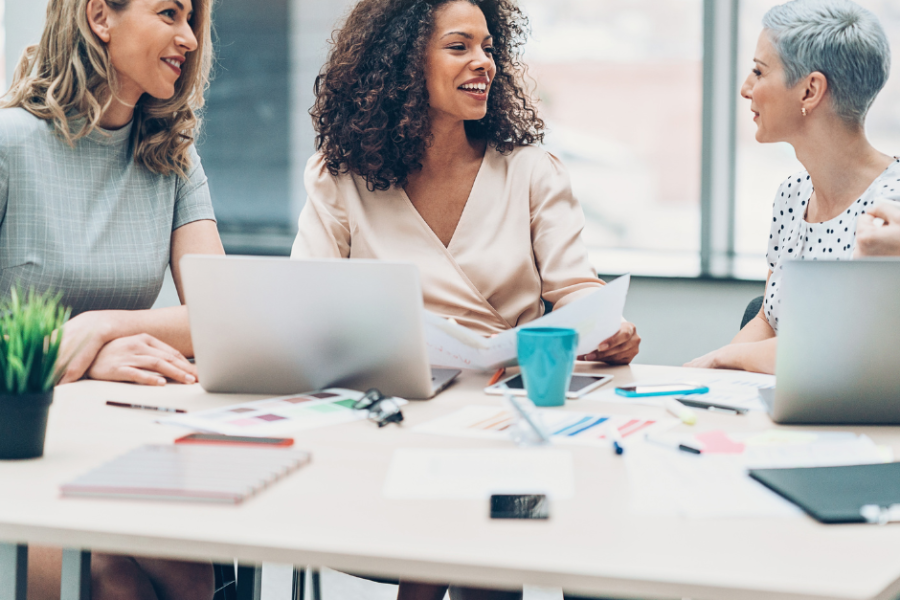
(188, 472)
(835, 494)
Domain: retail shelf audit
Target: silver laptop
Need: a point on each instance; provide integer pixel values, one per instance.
(281, 326)
(839, 343)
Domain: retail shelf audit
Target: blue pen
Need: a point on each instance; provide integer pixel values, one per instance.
(616, 437)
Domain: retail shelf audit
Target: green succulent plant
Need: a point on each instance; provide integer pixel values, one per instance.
(30, 337)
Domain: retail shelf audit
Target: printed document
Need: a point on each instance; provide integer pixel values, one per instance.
(424, 473)
(595, 317)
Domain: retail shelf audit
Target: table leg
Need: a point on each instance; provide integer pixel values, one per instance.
(298, 588)
(316, 585)
(76, 575)
(13, 571)
(249, 582)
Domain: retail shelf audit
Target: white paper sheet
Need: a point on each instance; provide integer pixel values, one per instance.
(419, 473)
(830, 450)
(595, 317)
(666, 482)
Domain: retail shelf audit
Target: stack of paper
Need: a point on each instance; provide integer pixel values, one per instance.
(188, 472)
(595, 317)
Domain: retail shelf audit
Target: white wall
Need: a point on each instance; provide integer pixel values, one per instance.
(24, 23)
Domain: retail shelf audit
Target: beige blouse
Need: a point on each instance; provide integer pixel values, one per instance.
(518, 239)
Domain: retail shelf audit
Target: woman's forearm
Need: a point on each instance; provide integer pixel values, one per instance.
(169, 325)
(758, 357)
(757, 330)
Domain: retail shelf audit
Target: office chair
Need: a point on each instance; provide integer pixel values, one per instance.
(752, 310)
(226, 582)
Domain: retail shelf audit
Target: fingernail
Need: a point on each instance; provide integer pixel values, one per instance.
(602, 346)
(160, 381)
(190, 378)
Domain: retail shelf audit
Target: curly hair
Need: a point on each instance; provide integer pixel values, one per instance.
(371, 111)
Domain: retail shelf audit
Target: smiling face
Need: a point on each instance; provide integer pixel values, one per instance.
(776, 108)
(459, 63)
(148, 43)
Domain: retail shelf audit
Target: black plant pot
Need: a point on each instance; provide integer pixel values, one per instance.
(23, 424)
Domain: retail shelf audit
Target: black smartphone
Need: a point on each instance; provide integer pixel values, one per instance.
(519, 506)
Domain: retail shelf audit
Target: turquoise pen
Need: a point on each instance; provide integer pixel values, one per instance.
(616, 437)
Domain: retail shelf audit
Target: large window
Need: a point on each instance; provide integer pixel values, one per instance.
(640, 98)
(762, 167)
(620, 84)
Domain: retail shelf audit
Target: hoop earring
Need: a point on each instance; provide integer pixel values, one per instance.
(803, 111)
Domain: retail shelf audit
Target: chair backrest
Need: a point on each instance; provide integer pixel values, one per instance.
(225, 581)
(752, 310)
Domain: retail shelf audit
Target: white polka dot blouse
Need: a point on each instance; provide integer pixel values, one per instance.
(794, 238)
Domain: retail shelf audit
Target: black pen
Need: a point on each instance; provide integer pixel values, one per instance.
(735, 410)
(145, 407)
(674, 444)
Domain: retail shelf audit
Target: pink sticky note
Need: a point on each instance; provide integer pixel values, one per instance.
(717, 442)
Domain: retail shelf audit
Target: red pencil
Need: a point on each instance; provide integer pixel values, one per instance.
(500, 373)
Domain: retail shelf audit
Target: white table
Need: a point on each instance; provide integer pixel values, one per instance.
(333, 513)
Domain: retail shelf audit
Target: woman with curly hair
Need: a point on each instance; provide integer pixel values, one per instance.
(427, 153)
(100, 190)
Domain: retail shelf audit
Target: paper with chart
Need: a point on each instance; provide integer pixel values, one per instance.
(277, 416)
(424, 473)
(595, 317)
(567, 427)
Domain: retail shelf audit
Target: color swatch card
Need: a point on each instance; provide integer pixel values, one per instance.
(493, 422)
(277, 416)
(187, 472)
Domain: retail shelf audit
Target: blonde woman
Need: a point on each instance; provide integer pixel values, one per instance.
(100, 185)
(100, 190)
(818, 67)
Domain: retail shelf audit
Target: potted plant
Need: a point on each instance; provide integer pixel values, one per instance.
(30, 337)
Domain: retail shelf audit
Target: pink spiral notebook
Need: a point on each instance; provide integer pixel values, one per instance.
(189, 472)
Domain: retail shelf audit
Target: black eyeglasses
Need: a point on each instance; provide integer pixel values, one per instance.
(382, 409)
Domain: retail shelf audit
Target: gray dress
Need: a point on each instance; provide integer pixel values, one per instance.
(88, 221)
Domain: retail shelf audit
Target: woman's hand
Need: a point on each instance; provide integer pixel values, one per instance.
(878, 240)
(620, 349)
(758, 357)
(726, 357)
(141, 359)
(83, 337)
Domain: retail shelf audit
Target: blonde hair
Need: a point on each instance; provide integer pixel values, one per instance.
(69, 76)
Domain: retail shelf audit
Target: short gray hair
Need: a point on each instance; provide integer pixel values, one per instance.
(838, 38)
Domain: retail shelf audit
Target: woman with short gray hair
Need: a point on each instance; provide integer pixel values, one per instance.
(819, 65)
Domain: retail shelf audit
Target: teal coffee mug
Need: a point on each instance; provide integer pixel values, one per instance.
(547, 357)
